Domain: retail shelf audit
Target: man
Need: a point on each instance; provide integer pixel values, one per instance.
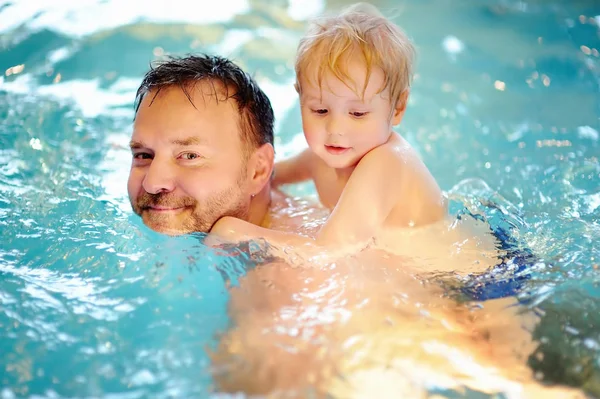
(202, 148)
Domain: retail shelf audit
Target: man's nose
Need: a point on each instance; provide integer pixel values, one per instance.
(160, 177)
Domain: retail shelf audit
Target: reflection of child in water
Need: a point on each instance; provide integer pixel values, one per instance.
(353, 77)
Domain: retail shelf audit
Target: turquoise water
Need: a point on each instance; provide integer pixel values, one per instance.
(505, 106)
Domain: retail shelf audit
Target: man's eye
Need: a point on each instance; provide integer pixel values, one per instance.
(358, 114)
(320, 111)
(142, 155)
(190, 156)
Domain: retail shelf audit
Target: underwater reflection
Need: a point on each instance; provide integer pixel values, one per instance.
(363, 327)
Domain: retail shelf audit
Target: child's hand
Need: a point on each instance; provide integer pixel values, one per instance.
(293, 170)
(277, 175)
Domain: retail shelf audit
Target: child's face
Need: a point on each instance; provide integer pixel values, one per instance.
(339, 125)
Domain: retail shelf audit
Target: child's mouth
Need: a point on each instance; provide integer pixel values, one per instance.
(332, 149)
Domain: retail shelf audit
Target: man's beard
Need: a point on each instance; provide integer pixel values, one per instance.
(196, 217)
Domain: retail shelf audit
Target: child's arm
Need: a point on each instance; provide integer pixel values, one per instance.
(295, 169)
(235, 229)
(366, 201)
(364, 205)
(380, 182)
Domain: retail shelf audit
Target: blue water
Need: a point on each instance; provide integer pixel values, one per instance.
(505, 108)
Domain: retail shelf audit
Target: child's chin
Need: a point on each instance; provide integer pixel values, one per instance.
(341, 162)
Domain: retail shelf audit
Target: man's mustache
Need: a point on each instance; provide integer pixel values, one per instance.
(147, 200)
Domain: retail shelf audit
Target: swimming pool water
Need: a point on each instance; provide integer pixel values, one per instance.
(505, 108)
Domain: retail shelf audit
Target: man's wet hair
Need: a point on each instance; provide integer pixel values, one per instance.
(254, 107)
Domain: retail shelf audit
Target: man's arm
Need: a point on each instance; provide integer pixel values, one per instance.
(295, 169)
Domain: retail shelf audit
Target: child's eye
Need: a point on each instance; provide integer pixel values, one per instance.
(358, 114)
(320, 111)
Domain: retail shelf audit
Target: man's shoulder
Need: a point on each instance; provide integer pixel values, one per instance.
(290, 212)
(282, 202)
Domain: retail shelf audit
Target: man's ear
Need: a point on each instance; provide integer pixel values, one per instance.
(400, 107)
(260, 167)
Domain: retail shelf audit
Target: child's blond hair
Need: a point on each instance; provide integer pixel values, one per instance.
(360, 30)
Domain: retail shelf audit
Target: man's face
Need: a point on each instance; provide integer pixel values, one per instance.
(188, 168)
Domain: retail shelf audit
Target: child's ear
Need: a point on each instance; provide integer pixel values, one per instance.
(260, 167)
(297, 88)
(400, 107)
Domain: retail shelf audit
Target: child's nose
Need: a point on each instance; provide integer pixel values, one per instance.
(335, 125)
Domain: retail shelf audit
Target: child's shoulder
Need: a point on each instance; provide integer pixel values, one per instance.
(395, 152)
